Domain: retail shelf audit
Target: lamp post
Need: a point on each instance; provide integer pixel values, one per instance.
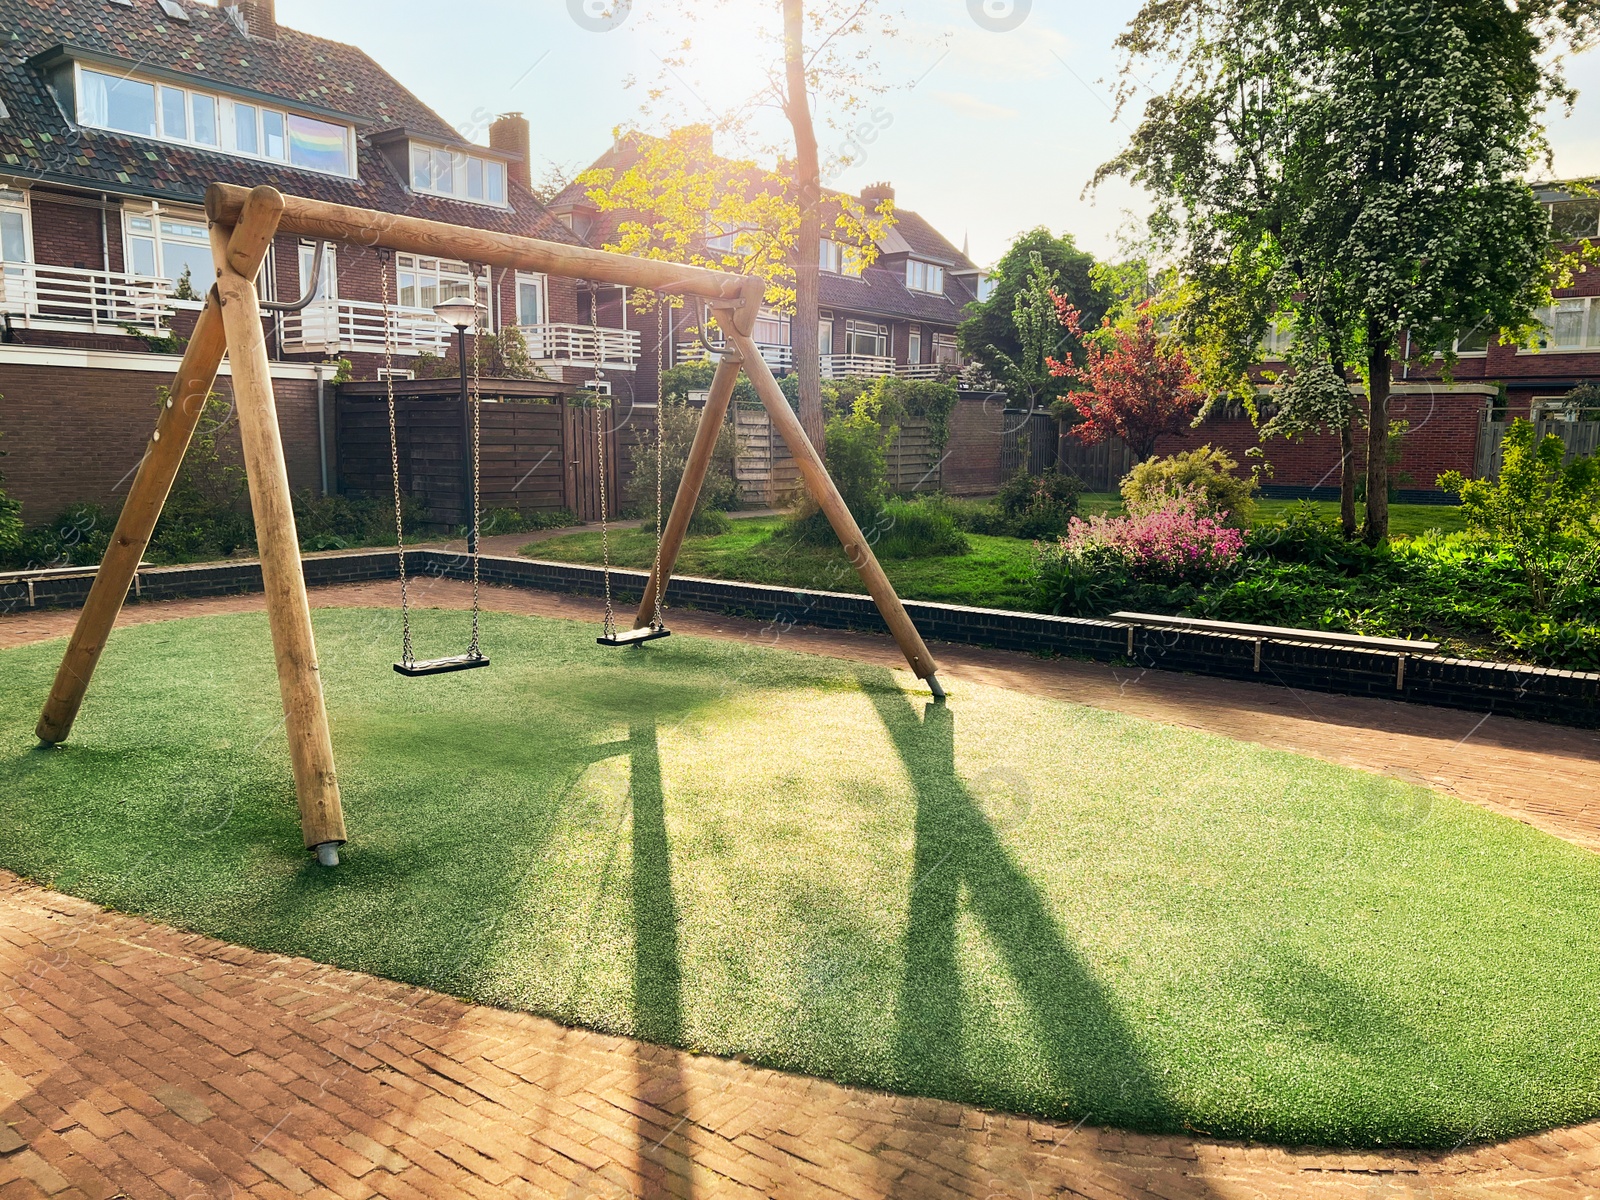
(461, 312)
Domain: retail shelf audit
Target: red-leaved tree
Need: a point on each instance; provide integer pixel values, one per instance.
(1134, 387)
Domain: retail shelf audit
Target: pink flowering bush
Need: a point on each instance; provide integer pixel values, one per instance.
(1178, 543)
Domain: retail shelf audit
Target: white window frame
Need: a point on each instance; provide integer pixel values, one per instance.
(923, 276)
(328, 281)
(226, 123)
(825, 333)
(879, 332)
(18, 201)
(770, 317)
(914, 345)
(154, 211)
(1589, 339)
(460, 166)
(412, 264)
(946, 350)
(542, 284)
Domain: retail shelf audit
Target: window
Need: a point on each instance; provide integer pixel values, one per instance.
(924, 277)
(825, 333)
(1574, 219)
(14, 249)
(838, 259)
(127, 105)
(530, 299)
(945, 351)
(458, 175)
(425, 282)
(167, 242)
(772, 328)
(1476, 340)
(866, 339)
(914, 345)
(327, 281)
(1572, 324)
(986, 287)
(177, 114)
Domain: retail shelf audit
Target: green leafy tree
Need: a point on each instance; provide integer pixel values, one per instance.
(1314, 397)
(10, 521)
(1376, 149)
(1539, 510)
(1006, 331)
(1208, 477)
(679, 423)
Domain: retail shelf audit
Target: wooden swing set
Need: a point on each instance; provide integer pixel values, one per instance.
(242, 226)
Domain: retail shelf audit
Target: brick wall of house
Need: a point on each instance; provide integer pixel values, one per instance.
(971, 464)
(76, 434)
(69, 235)
(1443, 437)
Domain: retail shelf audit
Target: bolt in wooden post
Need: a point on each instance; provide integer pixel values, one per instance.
(820, 484)
(175, 426)
(694, 477)
(288, 610)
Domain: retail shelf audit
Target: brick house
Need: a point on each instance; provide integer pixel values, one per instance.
(114, 117)
(896, 317)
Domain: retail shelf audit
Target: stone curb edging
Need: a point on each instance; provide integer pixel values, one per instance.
(1509, 689)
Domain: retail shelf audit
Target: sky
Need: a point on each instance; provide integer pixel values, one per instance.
(996, 116)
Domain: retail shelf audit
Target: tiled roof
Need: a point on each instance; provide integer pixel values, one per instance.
(37, 141)
(882, 291)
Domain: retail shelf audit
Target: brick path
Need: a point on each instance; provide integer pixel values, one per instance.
(140, 1061)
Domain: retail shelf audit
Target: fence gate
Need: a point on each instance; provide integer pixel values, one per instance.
(1580, 437)
(580, 428)
(1100, 465)
(1028, 442)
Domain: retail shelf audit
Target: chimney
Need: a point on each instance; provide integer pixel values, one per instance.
(875, 194)
(260, 18)
(510, 133)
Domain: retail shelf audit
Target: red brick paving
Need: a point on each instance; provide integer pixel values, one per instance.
(137, 1060)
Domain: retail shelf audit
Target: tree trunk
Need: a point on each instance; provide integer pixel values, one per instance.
(1377, 524)
(808, 191)
(1347, 477)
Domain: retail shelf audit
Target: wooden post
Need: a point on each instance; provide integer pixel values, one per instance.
(694, 477)
(820, 484)
(175, 426)
(288, 611)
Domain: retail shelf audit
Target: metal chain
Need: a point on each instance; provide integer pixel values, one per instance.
(610, 625)
(658, 622)
(394, 466)
(480, 321)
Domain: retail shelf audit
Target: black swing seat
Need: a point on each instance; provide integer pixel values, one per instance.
(634, 637)
(440, 666)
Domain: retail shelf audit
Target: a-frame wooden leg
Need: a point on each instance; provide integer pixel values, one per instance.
(163, 456)
(278, 543)
(821, 487)
(694, 477)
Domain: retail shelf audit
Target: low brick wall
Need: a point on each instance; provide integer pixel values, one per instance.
(1536, 693)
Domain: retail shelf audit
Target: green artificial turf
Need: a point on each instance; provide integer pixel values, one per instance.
(996, 573)
(1008, 900)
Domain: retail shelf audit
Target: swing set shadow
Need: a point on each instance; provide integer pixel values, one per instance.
(243, 225)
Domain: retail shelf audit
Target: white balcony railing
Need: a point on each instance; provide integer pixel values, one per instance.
(335, 325)
(857, 366)
(556, 342)
(33, 293)
(779, 358)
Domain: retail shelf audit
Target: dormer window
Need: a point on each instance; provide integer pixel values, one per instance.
(838, 259)
(169, 113)
(924, 277)
(461, 176)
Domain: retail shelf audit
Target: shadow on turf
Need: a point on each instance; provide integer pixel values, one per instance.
(960, 862)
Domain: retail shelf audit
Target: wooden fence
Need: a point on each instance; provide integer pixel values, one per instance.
(1581, 438)
(1028, 442)
(1100, 466)
(768, 476)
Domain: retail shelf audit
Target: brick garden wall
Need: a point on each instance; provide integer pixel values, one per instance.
(76, 434)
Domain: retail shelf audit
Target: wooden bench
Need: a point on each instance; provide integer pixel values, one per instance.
(1401, 648)
(49, 574)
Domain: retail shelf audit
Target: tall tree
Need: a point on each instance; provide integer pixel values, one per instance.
(816, 57)
(1376, 149)
(1012, 341)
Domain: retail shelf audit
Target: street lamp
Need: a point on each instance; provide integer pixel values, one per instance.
(463, 311)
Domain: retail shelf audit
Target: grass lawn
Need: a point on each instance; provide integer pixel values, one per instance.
(1405, 520)
(996, 574)
(1006, 900)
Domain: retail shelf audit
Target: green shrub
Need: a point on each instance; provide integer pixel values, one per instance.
(207, 513)
(1304, 535)
(10, 522)
(1035, 506)
(502, 355)
(76, 537)
(916, 529)
(1539, 510)
(1206, 474)
(343, 522)
(855, 459)
(1090, 583)
(679, 422)
(511, 520)
(677, 382)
